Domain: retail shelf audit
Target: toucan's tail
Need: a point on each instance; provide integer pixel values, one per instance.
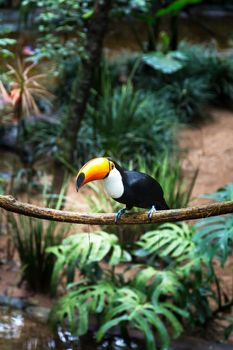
(162, 205)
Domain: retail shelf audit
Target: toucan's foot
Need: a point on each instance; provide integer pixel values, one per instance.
(119, 214)
(151, 212)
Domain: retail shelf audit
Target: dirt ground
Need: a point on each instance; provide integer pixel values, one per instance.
(208, 147)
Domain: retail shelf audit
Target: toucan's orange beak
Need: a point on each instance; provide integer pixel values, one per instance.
(95, 169)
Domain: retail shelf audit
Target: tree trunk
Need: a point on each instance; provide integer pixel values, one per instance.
(81, 89)
(174, 32)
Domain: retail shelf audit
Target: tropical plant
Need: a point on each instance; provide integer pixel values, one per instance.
(85, 252)
(141, 122)
(216, 69)
(23, 90)
(222, 194)
(31, 238)
(188, 79)
(168, 63)
(168, 240)
(189, 257)
(103, 292)
(131, 307)
(216, 232)
(175, 282)
(189, 98)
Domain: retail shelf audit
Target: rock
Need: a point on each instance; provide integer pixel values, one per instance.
(13, 302)
(38, 313)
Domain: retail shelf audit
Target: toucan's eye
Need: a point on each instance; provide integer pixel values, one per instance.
(112, 166)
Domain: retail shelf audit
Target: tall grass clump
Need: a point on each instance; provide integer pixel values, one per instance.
(32, 237)
(125, 122)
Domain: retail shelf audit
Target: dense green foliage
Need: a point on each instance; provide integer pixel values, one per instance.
(155, 279)
(145, 111)
(150, 126)
(197, 78)
(165, 281)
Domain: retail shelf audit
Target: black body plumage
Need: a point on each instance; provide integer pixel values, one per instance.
(140, 190)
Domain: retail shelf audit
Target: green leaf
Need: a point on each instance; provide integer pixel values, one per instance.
(175, 6)
(106, 326)
(159, 327)
(164, 63)
(144, 327)
(169, 239)
(87, 14)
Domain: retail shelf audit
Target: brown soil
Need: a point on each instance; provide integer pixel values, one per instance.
(209, 147)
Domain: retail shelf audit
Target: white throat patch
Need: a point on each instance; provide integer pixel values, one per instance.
(113, 184)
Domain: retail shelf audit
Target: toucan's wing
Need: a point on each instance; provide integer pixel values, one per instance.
(143, 191)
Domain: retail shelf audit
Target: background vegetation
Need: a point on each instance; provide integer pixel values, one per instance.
(65, 99)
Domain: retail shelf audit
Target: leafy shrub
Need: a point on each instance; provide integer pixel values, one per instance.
(217, 232)
(189, 98)
(120, 122)
(24, 89)
(108, 294)
(200, 77)
(175, 283)
(216, 69)
(126, 121)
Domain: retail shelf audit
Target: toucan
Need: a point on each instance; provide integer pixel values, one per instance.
(132, 188)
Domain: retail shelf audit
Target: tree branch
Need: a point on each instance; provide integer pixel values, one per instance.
(9, 203)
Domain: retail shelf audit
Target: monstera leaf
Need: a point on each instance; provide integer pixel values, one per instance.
(83, 250)
(169, 239)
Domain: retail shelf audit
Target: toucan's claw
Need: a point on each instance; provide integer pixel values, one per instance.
(119, 214)
(151, 212)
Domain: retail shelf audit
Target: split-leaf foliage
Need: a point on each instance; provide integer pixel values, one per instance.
(164, 282)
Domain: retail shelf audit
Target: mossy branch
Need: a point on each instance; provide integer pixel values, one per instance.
(9, 203)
